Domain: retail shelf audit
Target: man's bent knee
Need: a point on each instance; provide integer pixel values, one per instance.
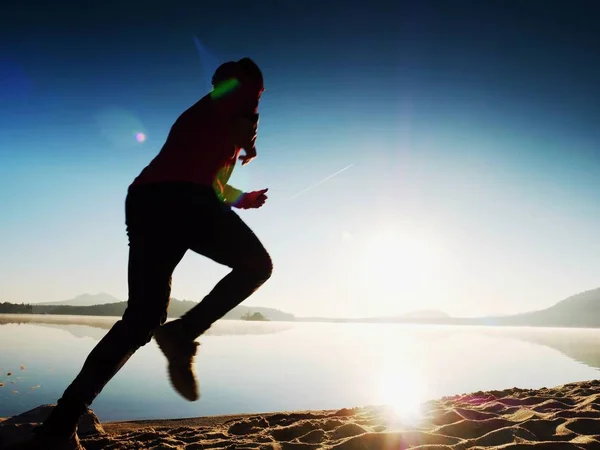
(260, 267)
(265, 269)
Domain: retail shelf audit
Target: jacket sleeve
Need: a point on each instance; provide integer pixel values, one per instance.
(231, 195)
(226, 193)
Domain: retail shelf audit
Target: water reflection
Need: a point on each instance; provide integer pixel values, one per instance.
(96, 327)
(244, 368)
(580, 345)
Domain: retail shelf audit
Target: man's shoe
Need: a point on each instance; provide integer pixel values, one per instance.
(180, 354)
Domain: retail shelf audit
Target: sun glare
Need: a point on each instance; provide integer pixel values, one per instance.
(391, 260)
(400, 389)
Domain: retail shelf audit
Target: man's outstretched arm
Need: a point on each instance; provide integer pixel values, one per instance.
(231, 195)
(244, 200)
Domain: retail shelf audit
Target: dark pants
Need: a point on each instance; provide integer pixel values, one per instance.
(163, 222)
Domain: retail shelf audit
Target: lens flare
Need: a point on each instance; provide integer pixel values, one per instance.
(120, 127)
(401, 389)
(208, 63)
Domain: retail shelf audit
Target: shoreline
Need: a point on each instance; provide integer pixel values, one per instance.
(106, 321)
(564, 417)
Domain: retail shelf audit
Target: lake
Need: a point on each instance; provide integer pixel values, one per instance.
(253, 367)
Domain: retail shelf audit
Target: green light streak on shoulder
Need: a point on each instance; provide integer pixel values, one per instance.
(224, 88)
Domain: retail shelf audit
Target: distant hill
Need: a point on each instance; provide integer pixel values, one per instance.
(86, 300)
(270, 313)
(419, 316)
(425, 314)
(117, 308)
(109, 309)
(15, 308)
(580, 310)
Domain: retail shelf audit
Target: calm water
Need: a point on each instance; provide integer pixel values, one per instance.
(261, 367)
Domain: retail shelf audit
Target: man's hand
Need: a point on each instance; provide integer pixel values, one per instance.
(254, 199)
(249, 156)
(243, 134)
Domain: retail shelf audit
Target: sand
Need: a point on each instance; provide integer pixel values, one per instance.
(565, 417)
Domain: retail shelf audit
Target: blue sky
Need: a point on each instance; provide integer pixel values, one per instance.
(471, 128)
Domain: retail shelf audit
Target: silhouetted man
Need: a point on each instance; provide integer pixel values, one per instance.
(180, 201)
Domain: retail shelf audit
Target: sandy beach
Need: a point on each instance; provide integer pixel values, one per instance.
(565, 417)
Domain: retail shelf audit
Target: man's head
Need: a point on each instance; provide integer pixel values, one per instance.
(245, 71)
(242, 82)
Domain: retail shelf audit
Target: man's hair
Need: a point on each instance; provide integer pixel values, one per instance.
(244, 70)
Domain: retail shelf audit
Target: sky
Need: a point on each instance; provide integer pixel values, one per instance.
(470, 128)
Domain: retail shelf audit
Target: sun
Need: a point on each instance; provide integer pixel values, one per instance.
(392, 248)
(401, 390)
(394, 260)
